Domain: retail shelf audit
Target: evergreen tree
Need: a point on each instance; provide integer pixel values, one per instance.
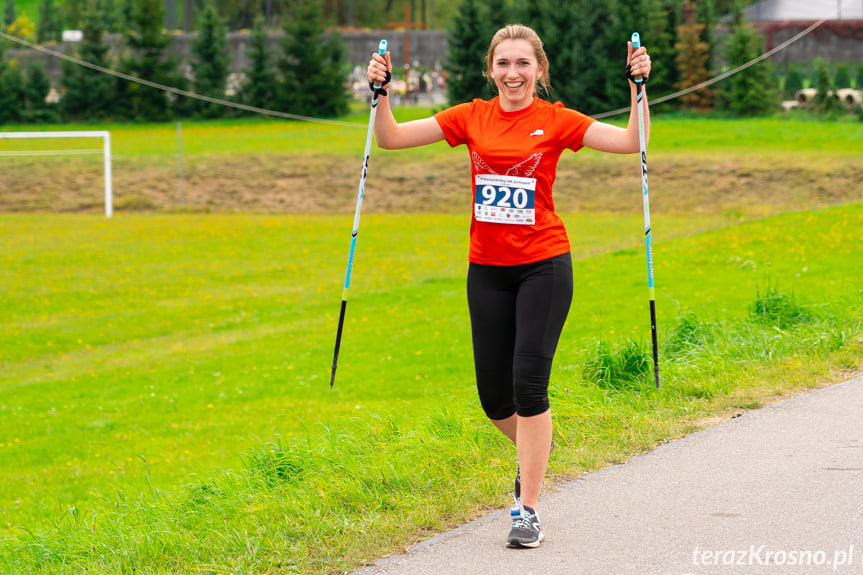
(622, 18)
(531, 13)
(466, 50)
(663, 20)
(127, 14)
(10, 15)
(313, 67)
(73, 14)
(601, 55)
(858, 80)
(211, 60)
(89, 94)
(753, 90)
(147, 43)
(260, 87)
(705, 14)
(13, 93)
(37, 87)
(793, 83)
(842, 79)
(693, 55)
(825, 101)
(560, 39)
(49, 25)
(498, 16)
(110, 17)
(6, 100)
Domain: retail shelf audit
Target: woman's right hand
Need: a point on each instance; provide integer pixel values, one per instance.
(378, 68)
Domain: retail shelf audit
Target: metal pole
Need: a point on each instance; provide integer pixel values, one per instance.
(382, 50)
(640, 104)
(109, 189)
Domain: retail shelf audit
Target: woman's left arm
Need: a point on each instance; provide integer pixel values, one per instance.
(608, 138)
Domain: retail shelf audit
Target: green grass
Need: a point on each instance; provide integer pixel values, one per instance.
(164, 397)
(678, 135)
(164, 379)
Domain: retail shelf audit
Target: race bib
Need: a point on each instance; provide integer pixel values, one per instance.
(504, 199)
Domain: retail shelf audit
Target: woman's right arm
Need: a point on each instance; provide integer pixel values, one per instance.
(389, 134)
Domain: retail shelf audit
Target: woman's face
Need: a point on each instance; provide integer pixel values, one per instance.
(515, 69)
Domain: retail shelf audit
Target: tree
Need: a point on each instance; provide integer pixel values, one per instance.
(693, 55)
(73, 14)
(793, 83)
(10, 15)
(127, 14)
(49, 27)
(89, 94)
(261, 86)
(825, 101)
(705, 13)
(751, 91)
(23, 28)
(241, 14)
(602, 37)
(664, 19)
(13, 94)
(498, 16)
(858, 80)
(842, 79)
(110, 17)
(211, 60)
(558, 28)
(313, 66)
(146, 44)
(600, 54)
(38, 85)
(466, 51)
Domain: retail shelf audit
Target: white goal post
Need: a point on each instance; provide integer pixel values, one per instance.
(105, 151)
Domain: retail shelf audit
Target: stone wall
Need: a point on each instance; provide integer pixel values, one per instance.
(427, 49)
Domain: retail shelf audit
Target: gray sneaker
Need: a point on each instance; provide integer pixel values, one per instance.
(525, 531)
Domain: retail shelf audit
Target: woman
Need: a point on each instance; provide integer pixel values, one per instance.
(519, 282)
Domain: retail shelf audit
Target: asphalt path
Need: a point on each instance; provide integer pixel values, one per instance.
(777, 490)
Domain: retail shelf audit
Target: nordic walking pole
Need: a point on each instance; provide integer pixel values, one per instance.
(640, 103)
(382, 50)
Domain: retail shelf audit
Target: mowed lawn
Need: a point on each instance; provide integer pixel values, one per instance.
(150, 363)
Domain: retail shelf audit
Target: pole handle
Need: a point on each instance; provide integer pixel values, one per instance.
(636, 43)
(382, 50)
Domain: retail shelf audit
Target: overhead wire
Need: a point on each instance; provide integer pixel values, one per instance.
(722, 76)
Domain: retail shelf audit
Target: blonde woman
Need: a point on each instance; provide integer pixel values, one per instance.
(519, 284)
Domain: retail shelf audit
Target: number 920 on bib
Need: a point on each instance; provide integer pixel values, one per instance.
(504, 199)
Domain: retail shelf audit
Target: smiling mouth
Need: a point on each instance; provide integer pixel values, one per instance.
(513, 85)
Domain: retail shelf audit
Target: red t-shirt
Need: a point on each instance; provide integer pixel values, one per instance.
(513, 166)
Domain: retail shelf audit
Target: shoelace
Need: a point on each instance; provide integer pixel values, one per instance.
(525, 521)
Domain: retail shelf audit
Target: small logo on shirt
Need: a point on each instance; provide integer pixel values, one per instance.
(537, 133)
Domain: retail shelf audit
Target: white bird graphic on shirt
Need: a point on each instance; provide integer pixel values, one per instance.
(523, 169)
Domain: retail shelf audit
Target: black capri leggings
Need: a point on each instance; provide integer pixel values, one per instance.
(516, 315)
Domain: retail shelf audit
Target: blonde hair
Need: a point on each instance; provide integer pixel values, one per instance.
(520, 32)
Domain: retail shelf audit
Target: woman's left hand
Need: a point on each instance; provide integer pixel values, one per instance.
(638, 61)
